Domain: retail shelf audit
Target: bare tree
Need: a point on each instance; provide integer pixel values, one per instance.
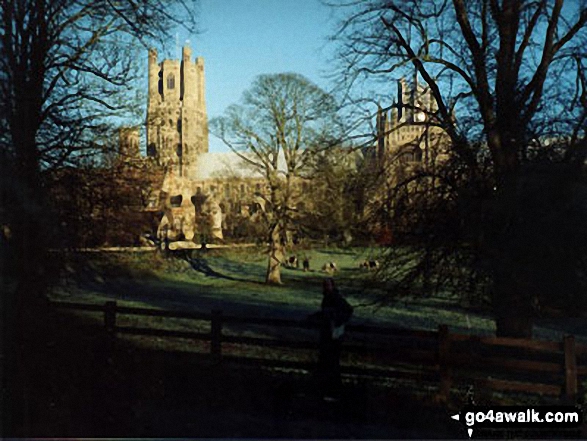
(101, 206)
(508, 80)
(282, 122)
(64, 69)
(63, 66)
(335, 188)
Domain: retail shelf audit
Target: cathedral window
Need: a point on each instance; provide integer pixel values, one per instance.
(171, 81)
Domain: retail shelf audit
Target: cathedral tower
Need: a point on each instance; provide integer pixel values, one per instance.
(408, 134)
(177, 121)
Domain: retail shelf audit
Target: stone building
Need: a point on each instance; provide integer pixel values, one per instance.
(129, 143)
(200, 188)
(177, 121)
(409, 147)
(406, 135)
(203, 191)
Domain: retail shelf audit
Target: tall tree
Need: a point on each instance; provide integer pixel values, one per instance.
(282, 122)
(508, 78)
(62, 65)
(334, 187)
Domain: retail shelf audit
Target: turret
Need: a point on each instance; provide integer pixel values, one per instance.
(404, 100)
(381, 132)
(188, 74)
(201, 85)
(154, 95)
(393, 117)
(128, 142)
(186, 54)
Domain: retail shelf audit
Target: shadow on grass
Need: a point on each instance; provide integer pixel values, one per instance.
(247, 272)
(200, 262)
(201, 265)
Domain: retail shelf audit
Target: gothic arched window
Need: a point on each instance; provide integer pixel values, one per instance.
(171, 81)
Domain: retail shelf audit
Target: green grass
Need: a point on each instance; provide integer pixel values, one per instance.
(232, 280)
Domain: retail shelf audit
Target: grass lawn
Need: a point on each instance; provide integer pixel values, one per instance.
(232, 280)
(154, 387)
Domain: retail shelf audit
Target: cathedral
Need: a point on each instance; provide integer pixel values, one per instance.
(177, 121)
(406, 134)
(201, 189)
(410, 147)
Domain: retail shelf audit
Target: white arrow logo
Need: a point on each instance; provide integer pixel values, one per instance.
(456, 417)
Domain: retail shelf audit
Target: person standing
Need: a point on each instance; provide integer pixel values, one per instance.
(335, 312)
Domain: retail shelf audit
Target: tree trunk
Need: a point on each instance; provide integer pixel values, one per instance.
(275, 257)
(512, 308)
(25, 320)
(511, 300)
(24, 303)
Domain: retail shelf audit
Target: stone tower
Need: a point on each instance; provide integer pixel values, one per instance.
(128, 142)
(406, 132)
(177, 121)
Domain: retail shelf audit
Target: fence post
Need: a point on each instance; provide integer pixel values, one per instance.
(216, 333)
(110, 325)
(110, 316)
(443, 361)
(570, 368)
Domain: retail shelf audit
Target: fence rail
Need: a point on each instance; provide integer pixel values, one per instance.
(440, 357)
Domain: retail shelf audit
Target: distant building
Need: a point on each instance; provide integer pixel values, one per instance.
(177, 120)
(205, 191)
(406, 134)
(129, 143)
(409, 143)
(200, 189)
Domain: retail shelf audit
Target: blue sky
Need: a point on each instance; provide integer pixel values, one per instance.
(241, 39)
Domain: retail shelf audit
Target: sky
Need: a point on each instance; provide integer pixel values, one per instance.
(241, 39)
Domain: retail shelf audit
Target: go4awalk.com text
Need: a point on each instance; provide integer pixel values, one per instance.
(534, 421)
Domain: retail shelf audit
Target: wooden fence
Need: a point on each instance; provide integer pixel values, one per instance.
(439, 358)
